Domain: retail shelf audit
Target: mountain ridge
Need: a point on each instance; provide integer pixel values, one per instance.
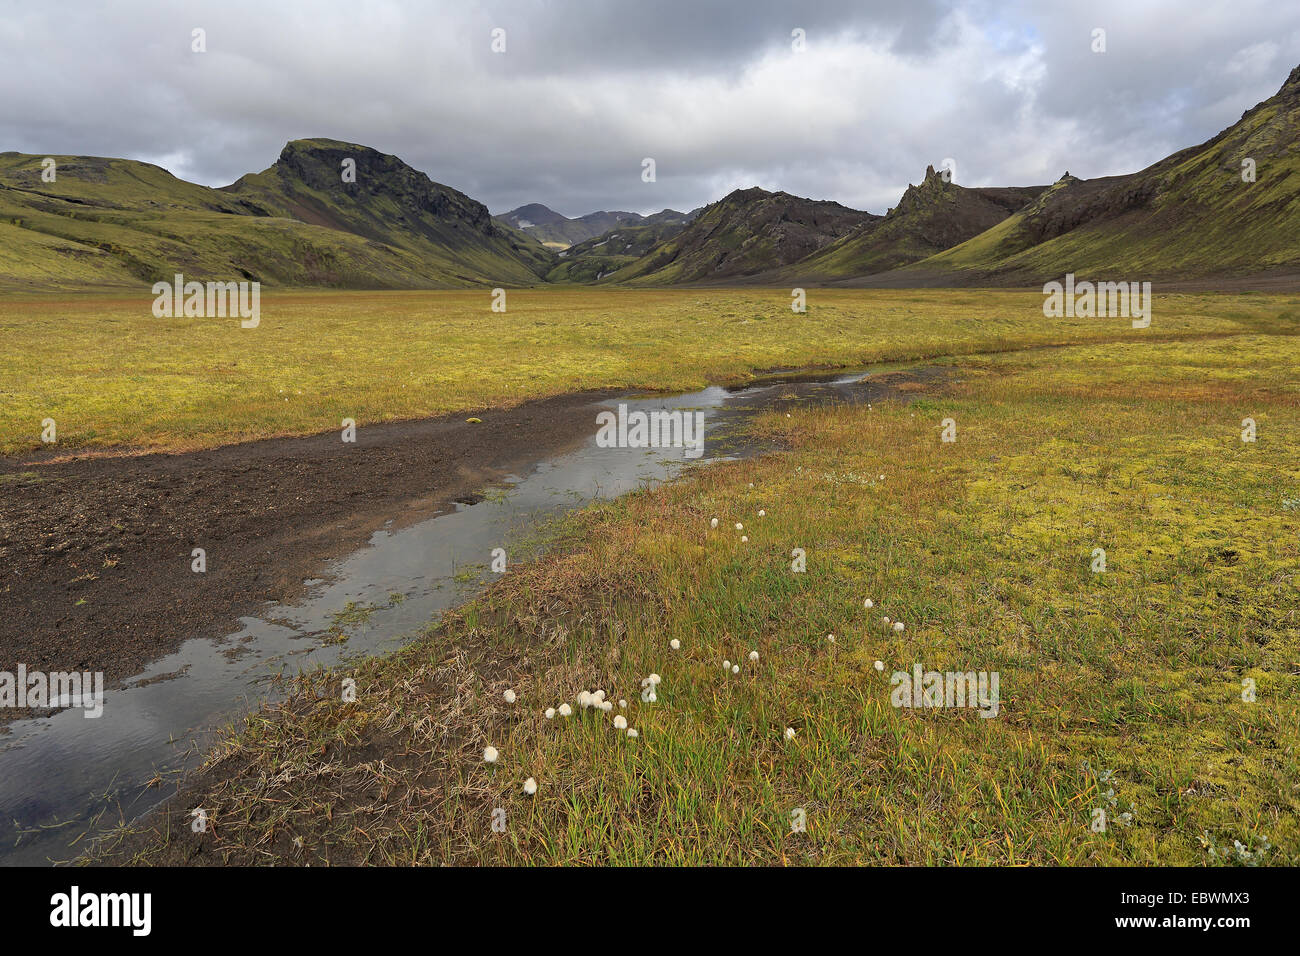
(1189, 215)
(1227, 207)
(930, 217)
(747, 232)
(557, 231)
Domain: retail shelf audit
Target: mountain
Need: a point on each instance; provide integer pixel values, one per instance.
(592, 260)
(117, 222)
(1191, 215)
(559, 232)
(748, 232)
(930, 217)
(545, 225)
(391, 203)
(671, 217)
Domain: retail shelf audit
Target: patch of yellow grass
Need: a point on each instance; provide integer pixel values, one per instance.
(110, 374)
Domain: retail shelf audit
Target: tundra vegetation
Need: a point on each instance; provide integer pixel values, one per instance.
(1161, 690)
(111, 374)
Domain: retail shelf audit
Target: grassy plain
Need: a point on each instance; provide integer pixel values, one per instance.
(1122, 690)
(111, 374)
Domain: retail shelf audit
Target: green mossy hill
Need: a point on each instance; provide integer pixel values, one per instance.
(121, 223)
(392, 203)
(1193, 214)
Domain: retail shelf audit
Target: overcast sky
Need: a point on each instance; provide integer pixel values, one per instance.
(713, 91)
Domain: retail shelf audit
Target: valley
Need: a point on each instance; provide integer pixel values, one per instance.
(381, 529)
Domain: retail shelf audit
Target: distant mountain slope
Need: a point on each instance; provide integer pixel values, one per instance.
(929, 218)
(594, 259)
(748, 232)
(559, 232)
(545, 225)
(1190, 215)
(117, 222)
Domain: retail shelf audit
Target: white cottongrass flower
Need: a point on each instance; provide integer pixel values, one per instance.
(631, 732)
(713, 523)
(652, 698)
(607, 705)
(868, 604)
(753, 655)
(882, 477)
(726, 664)
(490, 754)
(831, 638)
(509, 695)
(622, 705)
(885, 619)
(898, 625)
(620, 722)
(751, 484)
(654, 679)
(789, 733)
(565, 710)
(530, 786)
(744, 539)
(739, 526)
(675, 644)
(879, 665)
(735, 668)
(584, 699)
(598, 696)
(762, 513)
(550, 712)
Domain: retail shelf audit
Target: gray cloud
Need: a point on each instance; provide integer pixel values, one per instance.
(585, 90)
